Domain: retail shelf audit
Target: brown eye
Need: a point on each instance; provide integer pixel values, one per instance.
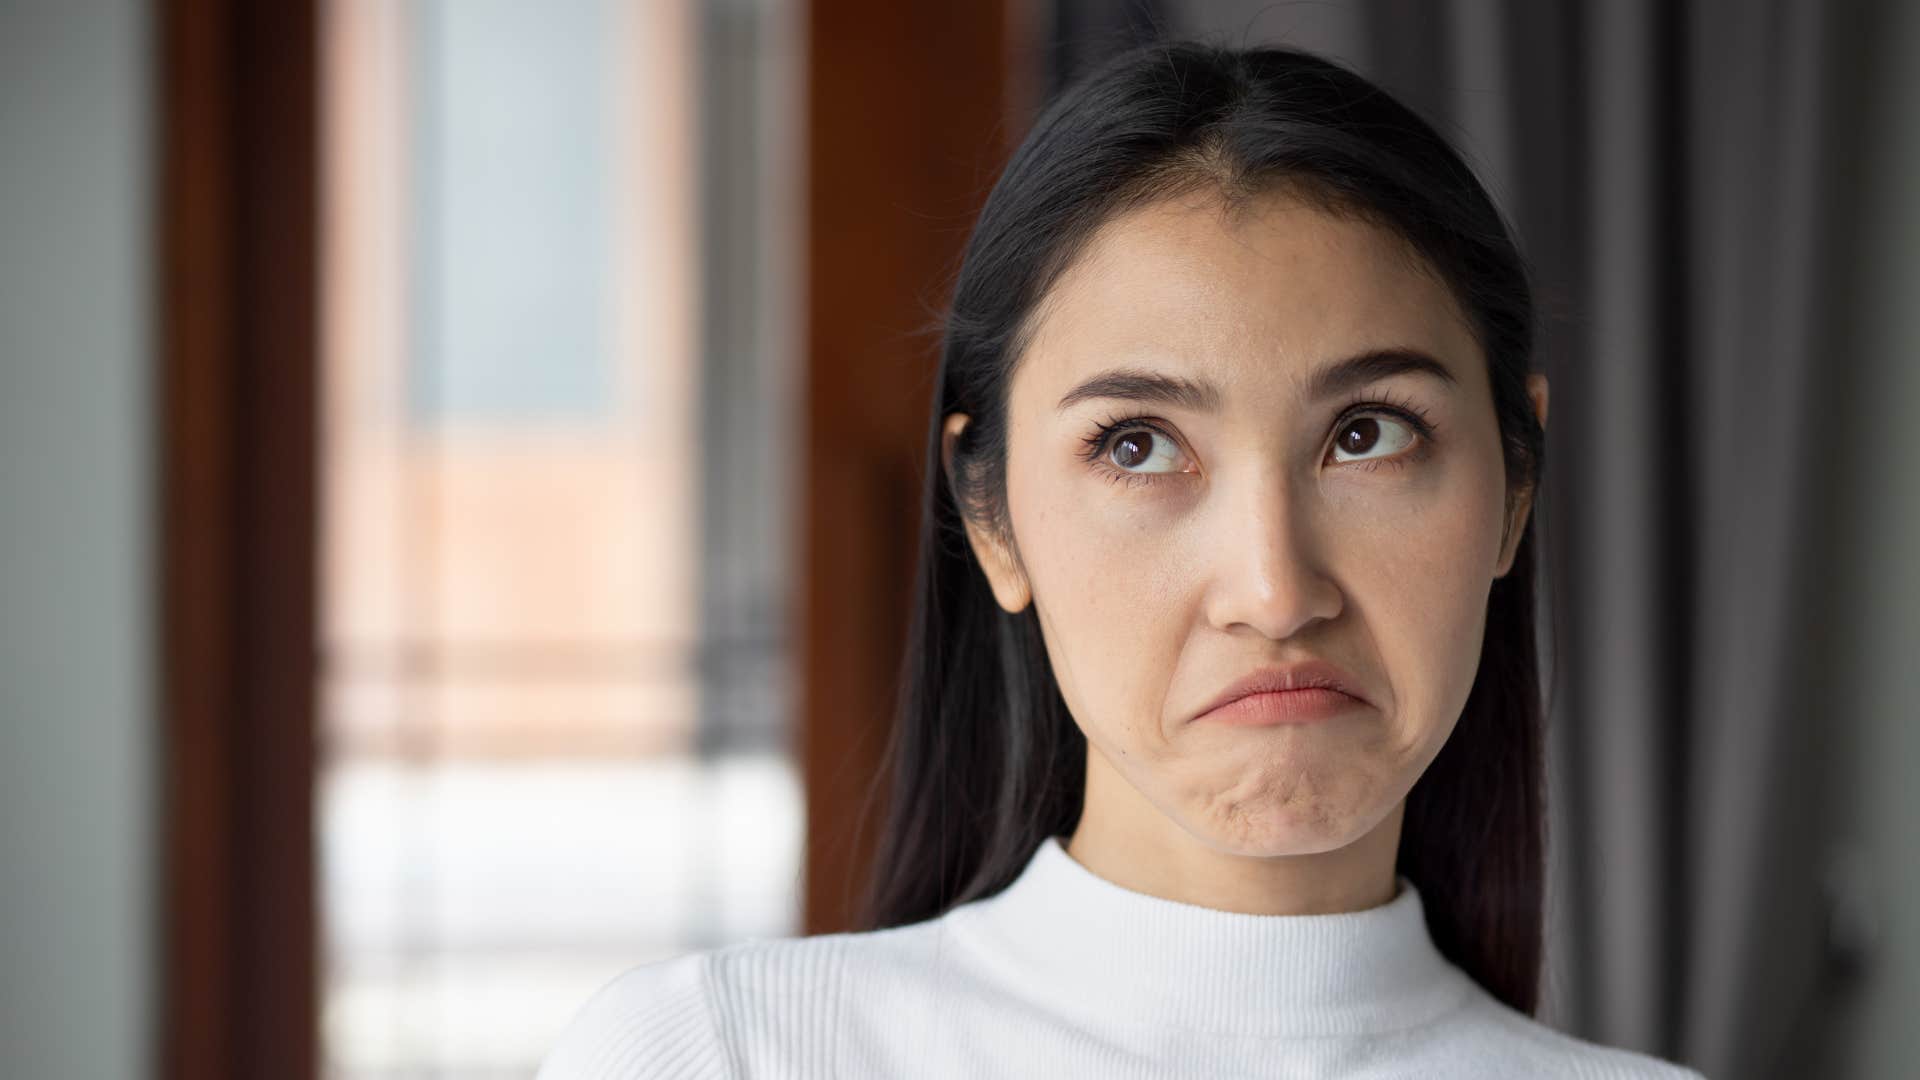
(1132, 450)
(1144, 451)
(1368, 433)
(1360, 435)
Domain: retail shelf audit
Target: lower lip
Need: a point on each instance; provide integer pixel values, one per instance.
(1282, 707)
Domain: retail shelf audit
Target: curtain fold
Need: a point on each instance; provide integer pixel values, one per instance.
(1667, 168)
(1758, 165)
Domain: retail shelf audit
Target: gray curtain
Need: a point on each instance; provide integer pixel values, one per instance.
(1667, 166)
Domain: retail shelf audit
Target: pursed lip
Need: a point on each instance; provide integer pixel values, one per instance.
(1304, 675)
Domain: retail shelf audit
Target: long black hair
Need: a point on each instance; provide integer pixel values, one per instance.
(985, 761)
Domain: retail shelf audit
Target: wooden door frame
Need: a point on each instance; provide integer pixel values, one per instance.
(236, 284)
(911, 110)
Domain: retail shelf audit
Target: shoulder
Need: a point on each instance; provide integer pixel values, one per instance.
(705, 1015)
(654, 1020)
(1528, 1047)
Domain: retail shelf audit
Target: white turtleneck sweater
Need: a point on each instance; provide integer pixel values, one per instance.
(1066, 974)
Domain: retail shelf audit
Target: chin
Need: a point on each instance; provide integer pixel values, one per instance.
(1265, 817)
(1273, 833)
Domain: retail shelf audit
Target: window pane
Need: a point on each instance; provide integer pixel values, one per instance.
(553, 696)
(512, 208)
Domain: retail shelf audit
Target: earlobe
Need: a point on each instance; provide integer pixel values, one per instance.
(1510, 539)
(1002, 568)
(1523, 506)
(1004, 574)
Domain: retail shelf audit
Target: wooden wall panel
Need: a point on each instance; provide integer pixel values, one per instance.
(912, 109)
(238, 317)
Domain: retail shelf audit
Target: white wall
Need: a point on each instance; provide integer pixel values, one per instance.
(77, 821)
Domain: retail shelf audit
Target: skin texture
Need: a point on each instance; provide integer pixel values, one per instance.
(1255, 538)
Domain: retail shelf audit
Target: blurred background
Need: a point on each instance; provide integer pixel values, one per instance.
(459, 458)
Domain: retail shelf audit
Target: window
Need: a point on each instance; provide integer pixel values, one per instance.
(553, 670)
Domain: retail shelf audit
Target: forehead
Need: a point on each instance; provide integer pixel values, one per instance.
(1261, 296)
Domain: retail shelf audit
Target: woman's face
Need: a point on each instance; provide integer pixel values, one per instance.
(1283, 507)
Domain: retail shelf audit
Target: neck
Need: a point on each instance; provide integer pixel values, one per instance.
(1127, 840)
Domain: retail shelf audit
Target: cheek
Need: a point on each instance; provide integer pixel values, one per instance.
(1108, 583)
(1419, 572)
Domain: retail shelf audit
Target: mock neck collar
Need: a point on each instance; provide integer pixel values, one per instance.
(1094, 949)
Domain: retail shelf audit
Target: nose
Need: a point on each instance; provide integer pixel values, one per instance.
(1269, 571)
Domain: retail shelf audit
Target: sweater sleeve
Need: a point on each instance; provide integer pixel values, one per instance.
(653, 1021)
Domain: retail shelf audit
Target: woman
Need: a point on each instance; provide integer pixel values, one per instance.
(1220, 746)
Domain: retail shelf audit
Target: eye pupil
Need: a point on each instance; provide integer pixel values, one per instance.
(1360, 435)
(1133, 449)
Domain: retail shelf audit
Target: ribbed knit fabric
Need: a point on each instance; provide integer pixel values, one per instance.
(1065, 974)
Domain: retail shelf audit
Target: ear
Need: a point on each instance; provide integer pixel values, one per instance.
(1005, 576)
(1523, 503)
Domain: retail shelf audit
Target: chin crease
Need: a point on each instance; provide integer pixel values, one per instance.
(1271, 820)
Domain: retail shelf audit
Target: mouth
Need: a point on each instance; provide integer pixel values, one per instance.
(1304, 692)
(1274, 707)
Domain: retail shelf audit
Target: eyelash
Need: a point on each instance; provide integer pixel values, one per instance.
(1408, 412)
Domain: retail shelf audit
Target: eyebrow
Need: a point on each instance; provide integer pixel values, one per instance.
(1330, 380)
